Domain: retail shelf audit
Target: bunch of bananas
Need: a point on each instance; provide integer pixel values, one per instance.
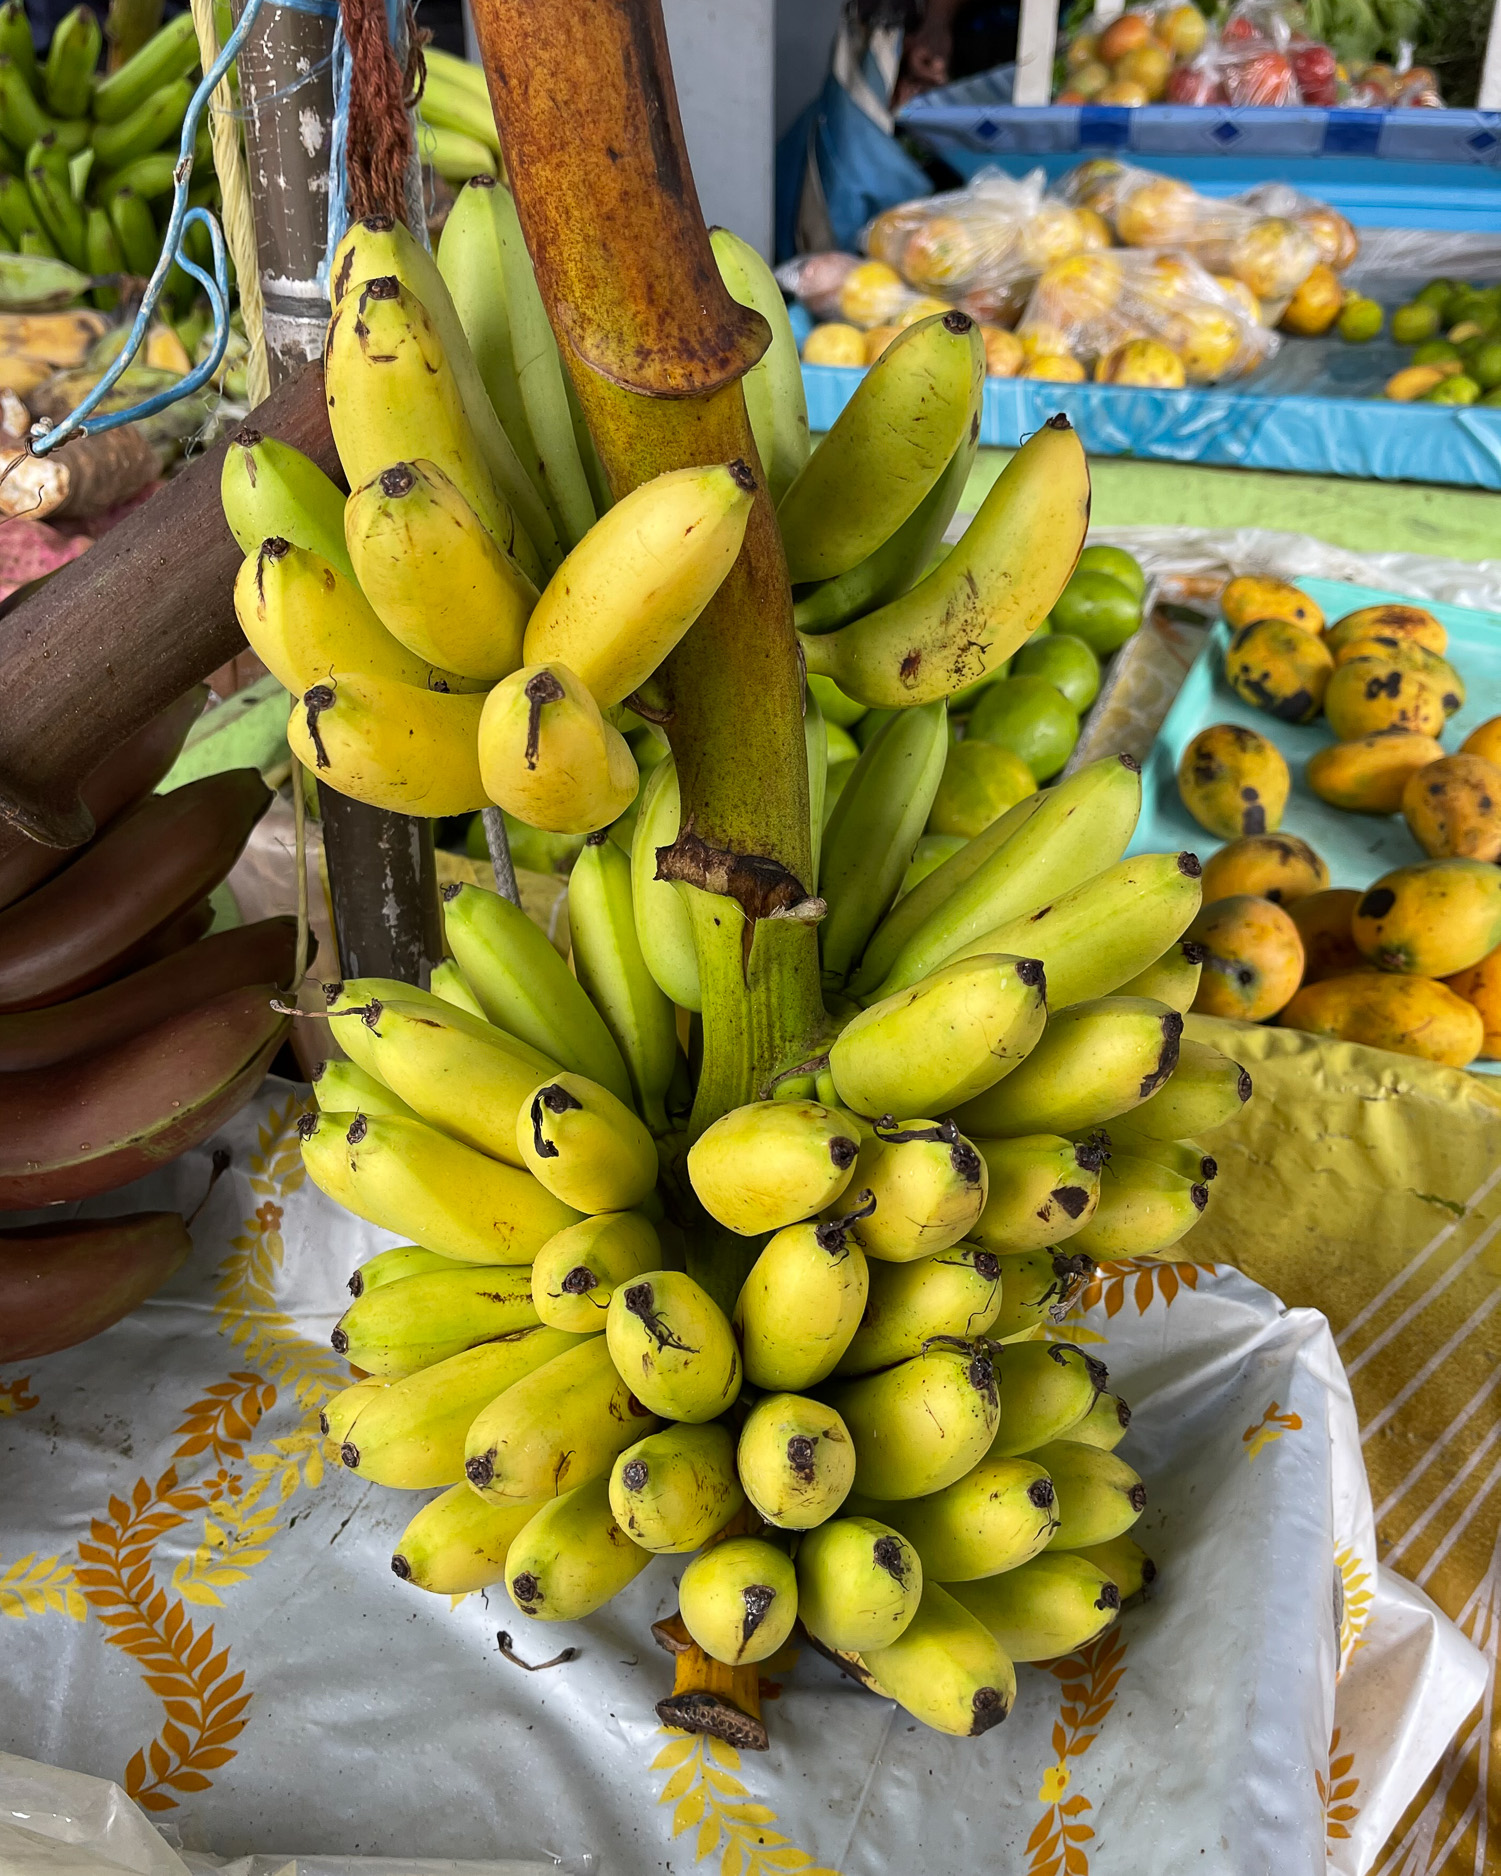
(126, 1034)
(456, 132)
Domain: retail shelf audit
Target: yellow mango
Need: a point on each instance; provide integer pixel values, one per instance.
(1453, 808)
(1279, 867)
(1253, 596)
(1279, 667)
(1484, 740)
(1408, 655)
(1409, 1015)
(1234, 781)
(1430, 920)
(1395, 621)
(1364, 698)
(1481, 985)
(1323, 922)
(1368, 774)
(1254, 959)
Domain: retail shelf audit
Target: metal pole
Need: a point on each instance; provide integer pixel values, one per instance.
(1036, 40)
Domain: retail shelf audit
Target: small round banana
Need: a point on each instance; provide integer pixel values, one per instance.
(773, 1163)
(577, 1270)
(954, 1292)
(673, 1490)
(802, 1302)
(586, 1146)
(738, 1599)
(929, 1186)
(572, 1557)
(1046, 1389)
(858, 1583)
(921, 1425)
(673, 1346)
(796, 1461)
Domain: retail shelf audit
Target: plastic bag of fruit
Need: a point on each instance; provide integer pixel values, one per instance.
(1131, 58)
(855, 292)
(1136, 317)
(1381, 87)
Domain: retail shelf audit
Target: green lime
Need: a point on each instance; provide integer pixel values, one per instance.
(1436, 292)
(962, 701)
(1485, 364)
(980, 781)
(839, 773)
(1030, 717)
(1359, 320)
(866, 728)
(1118, 564)
(1456, 390)
(1415, 322)
(836, 707)
(1066, 663)
(842, 746)
(928, 855)
(1099, 609)
(1436, 352)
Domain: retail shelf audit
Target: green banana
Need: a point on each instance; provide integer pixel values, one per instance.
(875, 824)
(801, 1303)
(405, 1260)
(664, 927)
(526, 988)
(1125, 1562)
(672, 1343)
(1099, 1496)
(572, 1557)
(47, 179)
(773, 387)
(102, 256)
(22, 119)
(996, 1517)
(956, 1292)
(341, 1410)
(816, 748)
(889, 445)
(449, 982)
(1095, 1060)
(77, 41)
(399, 1327)
(37, 244)
(1047, 1608)
(796, 1460)
(412, 1433)
(609, 963)
(588, 1149)
(928, 1185)
(1042, 1189)
(16, 42)
(1104, 1425)
(859, 1583)
(945, 1668)
(409, 1178)
(1173, 978)
(944, 1041)
(1093, 939)
(455, 108)
(1046, 1388)
(170, 54)
(771, 1163)
(560, 1425)
(144, 129)
(1144, 1210)
(673, 1490)
(923, 1424)
(1206, 1090)
(888, 572)
(18, 214)
(738, 1599)
(1038, 1290)
(148, 177)
(985, 598)
(457, 1543)
(576, 1272)
(1068, 834)
(341, 1087)
(135, 229)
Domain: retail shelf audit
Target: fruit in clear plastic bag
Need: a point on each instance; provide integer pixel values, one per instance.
(1273, 257)
(1147, 65)
(1004, 356)
(1040, 338)
(1054, 368)
(1095, 230)
(1143, 362)
(1208, 342)
(1124, 34)
(1183, 30)
(1337, 241)
(1088, 82)
(1241, 294)
(1156, 213)
(1316, 304)
(873, 294)
(1123, 91)
(1077, 290)
(876, 341)
(939, 252)
(834, 344)
(1052, 234)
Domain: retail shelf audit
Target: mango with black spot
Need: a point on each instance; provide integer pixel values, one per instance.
(1323, 922)
(1408, 1015)
(1431, 919)
(1369, 696)
(1407, 655)
(1481, 985)
(1280, 668)
(1368, 774)
(1411, 622)
(1279, 867)
(1253, 597)
(1453, 808)
(1254, 958)
(1234, 781)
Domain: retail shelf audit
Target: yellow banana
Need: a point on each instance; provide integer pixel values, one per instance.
(1206, 1090)
(673, 1490)
(457, 1543)
(923, 1424)
(409, 1178)
(341, 1087)
(586, 1147)
(572, 1557)
(796, 1460)
(664, 927)
(1125, 1562)
(801, 1303)
(1144, 1210)
(1173, 978)
(576, 1272)
(1105, 1425)
(1099, 1496)
(268, 489)
(435, 577)
(1184, 1157)
(1047, 1608)
(984, 598)
(548, 756)
(738, 1599)
(450, 983)
(640, 577)
(929, 1186)
(406, 1260)
(391, 745)
(399, 1327)
(772, 1163)
(859, 1583)
(994, 1518)
(1042, 1189)
(956, 1292)
(945, 1668)
(1046, 1389)
(559, 1426)
(773, 387)
(342, 1410)
(1038, 1289)
(673, 1346)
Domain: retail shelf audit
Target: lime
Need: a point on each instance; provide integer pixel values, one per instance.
(1117, 563)
(1415, 322)
(842, 746)
(1436, 352)
(1456, 390)
(1030, 717)
(1485, 365)
(1436, 293)
(866, 728)
(928, 855)
(1066, 663)
(836, 707)
(980, 781)
(1359, 320)
(1099, 609)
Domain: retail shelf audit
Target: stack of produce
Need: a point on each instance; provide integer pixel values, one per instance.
(1413, 963)
(1455, 332)
(126, 1034)
(456, 127)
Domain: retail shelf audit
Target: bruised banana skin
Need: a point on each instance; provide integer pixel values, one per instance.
(1046, 1608)
(1046, 1389)
(673, 1344)
(1039, 1288)
(457, 1543)
(928, 1185)
(584, 1146)
(673, 1490)
(738, 1600)
(577, 1271)
(1144, 1209)
(572, 1557)
(1042, 1188)
(945, 1668)
(399, 1327)
(769, 1164)
(796, 1461)
(859, 1583)
(1206, 1090)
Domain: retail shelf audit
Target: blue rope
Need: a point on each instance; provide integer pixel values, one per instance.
(338, 167)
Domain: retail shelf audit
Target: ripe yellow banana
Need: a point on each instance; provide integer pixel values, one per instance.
(796, 1460)
(1125, 1562)
(450, 983)
(1046, 1388)
(1184, 1157)
(772, 1163)
(984, 598)
(1039, 1288)
(773, 387)
(998, 1516)
(929, 1186)
(640, 577)
(923, 1424)
(572, 1557)
(945, 1668)
(397, 1328)
(1105, 1425)
(1206, 1090)
(956, 1292)
(664, 926)
(800, 1304)
(577, 1271)
(435, 577)
(738, 1599)
(1173, 978)
(585, 1146)
(340, 1412)
(391, 745)
(409, 1178)
(548, 756)
(406, 1260)
(1042, 1188)
(859, 1583)
(673, 1490)
(457, 1543)
(1099, 1496)
(674, 1347)
(1144, 1210)
(1047, 1608)
(342, 1087)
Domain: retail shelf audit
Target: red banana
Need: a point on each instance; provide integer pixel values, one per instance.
(61, 1283)
(99, 1121)
(118, 783)
(174, 935)
(155, 862)
(249, 954)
